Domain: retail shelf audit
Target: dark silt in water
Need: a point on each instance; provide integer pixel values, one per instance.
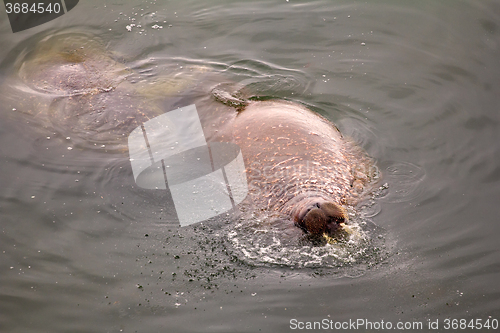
(415, 84)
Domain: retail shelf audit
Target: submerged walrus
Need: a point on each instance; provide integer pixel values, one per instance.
(72, 84)
(299, 164)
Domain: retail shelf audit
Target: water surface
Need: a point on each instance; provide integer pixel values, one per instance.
(416, 84)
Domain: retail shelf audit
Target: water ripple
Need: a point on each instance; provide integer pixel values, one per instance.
(404, 180)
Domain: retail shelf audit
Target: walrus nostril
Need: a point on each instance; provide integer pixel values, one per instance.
(315, 222)
(334, 211)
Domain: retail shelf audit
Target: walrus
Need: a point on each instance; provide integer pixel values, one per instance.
(299, 164)
(72, 84)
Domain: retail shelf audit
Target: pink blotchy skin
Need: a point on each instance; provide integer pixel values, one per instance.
(297, 163)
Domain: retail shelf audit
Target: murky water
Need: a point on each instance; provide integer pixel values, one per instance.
(416, 84)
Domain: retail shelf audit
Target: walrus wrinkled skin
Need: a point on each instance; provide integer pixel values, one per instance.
(298, 164)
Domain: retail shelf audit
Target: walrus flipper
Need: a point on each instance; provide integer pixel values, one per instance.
(233, 99)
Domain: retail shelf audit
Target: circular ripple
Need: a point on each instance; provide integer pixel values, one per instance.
(404, 181)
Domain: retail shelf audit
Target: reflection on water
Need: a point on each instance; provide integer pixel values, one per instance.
(414, 83)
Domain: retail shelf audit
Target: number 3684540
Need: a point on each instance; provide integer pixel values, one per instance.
(35, 8)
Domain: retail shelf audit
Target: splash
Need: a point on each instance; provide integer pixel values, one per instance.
(261, 239)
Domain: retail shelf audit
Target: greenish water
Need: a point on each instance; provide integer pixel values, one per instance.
(416, 84)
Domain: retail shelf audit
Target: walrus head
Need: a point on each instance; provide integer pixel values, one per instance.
(318, 216)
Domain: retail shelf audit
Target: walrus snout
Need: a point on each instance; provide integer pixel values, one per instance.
(318, 216)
